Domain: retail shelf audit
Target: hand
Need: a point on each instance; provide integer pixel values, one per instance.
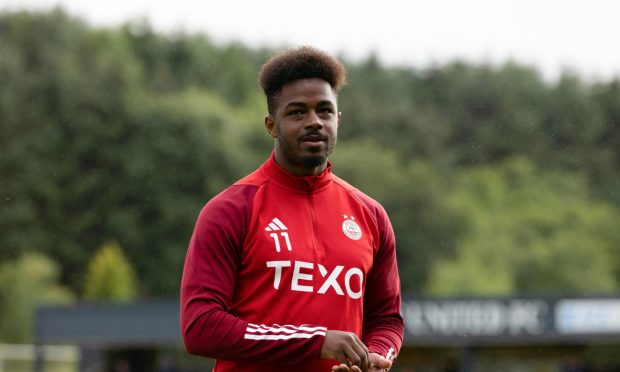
(377, 364)
(346, 348)
(345, 368)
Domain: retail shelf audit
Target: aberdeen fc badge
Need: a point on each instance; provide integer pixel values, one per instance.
(350, 228)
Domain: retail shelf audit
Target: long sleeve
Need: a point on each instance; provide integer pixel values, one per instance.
(211, 269)
(383, 324)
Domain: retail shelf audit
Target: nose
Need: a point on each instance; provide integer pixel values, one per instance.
(313, 122)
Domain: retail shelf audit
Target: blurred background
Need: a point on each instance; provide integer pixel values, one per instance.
(489, 130)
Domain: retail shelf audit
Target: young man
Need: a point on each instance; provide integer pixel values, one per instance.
(291, 268)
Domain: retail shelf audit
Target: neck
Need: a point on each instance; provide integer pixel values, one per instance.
(298, 169)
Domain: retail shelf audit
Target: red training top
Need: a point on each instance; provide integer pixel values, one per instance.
(276, 260)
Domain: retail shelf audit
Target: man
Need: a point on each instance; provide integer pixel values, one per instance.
(291, 268)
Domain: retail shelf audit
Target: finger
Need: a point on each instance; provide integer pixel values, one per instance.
(379, 363)
(346, 368)
(377, 369)
(363, 346)
(355, 355)
(340, 368)
(342, 357)
(366, 354)
(362, 351)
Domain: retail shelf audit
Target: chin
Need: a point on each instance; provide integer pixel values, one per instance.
(312, 161)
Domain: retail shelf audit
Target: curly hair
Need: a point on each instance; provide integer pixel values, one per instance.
(295, 64)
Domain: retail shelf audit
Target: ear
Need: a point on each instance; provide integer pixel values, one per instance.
(270, 125)
(339, 117)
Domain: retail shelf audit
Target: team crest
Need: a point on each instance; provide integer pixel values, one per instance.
(351, 229)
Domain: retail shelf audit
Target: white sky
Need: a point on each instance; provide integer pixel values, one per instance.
(552, 35)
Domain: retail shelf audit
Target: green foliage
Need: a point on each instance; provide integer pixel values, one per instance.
(529, 231)
(411, 193)
(127, 132)
(98, 154)
(110, 276)
(25, 283)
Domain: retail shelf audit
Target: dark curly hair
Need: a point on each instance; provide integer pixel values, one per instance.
(295, 64)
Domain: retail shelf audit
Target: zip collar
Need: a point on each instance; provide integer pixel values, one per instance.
(305, 184)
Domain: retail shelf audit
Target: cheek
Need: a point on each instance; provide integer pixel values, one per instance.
(286, 135)
(279, 130)
(333, 130)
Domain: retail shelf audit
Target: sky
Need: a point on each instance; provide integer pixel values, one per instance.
(552, 36)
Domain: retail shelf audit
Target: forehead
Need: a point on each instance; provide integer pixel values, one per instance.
(306, 91)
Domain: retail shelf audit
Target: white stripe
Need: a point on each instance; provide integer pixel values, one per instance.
(273, 227)
(283, 337)
(267, 228)
(284, 329)
(305, 326)
(279, 223)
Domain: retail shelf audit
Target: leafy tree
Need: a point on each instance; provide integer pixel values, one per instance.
(97, 155)
(110, 276)
(25, 283)
(529, 232)
(574, 124)
(69, 116)
(492, 112)
(411, 193)
(127, 132)
(605, 180)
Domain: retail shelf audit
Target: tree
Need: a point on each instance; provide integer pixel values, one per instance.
(100, 153)
(127, 132)
(529, 232)
(411, 193)
(110, 276)
(25, 283)
(607, 177)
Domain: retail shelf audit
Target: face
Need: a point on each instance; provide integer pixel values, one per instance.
(305, 126)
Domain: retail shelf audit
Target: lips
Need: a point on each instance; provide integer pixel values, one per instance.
(313, 138)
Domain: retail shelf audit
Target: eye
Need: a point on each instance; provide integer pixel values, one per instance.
(295, 113)
(326, 111)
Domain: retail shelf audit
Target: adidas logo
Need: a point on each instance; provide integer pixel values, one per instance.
(276, 231)
(276, 225)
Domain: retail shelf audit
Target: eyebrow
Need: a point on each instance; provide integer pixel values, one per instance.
(303, 104)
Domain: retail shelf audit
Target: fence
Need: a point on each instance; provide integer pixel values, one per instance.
(22, 357)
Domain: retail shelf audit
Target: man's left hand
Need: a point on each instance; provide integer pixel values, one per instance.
(377, 364)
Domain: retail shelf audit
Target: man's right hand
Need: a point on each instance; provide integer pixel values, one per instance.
(346, 348)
